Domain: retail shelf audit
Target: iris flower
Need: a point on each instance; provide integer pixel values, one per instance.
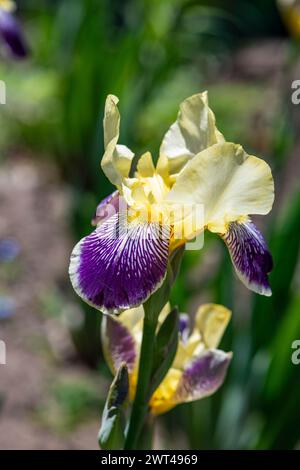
(10, 29)
(198, 369)
(121, 263)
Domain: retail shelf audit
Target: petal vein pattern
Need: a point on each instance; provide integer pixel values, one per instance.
(250, 256)
(119, 265)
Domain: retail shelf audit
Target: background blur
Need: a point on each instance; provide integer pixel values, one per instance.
(152, 54)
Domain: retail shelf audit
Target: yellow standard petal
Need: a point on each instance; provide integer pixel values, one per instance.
(227, 183)
(116, 161)
(211, 321)
(145, 166)
(194, 130)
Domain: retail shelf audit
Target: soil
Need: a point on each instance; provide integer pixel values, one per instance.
(34, 210)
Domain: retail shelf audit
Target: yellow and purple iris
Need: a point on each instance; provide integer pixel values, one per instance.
(121, 263)
(199, 368)
(10, 30)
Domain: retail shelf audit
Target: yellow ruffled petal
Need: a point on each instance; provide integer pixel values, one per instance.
(145, 166)
(211, 322)
(227, 183)
(194, 130)
(147, 190)
(116, 161)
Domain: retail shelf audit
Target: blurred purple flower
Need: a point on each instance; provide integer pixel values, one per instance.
(9, 250)
(12, 34)
(7, 308)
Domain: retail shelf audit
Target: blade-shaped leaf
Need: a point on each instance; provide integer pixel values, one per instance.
(165, 348)
(111, 434)
(282, 372)
(285, 247)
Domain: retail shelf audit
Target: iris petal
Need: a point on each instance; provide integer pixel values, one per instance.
(145, 166)
(116, 161)
(203, 375)
(211, 322)
(106, 208)
(118, 267)
(193, 131)
(250, 256)
(227, 183)
(118, 344)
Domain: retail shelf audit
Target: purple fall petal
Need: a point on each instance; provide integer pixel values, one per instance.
(250, 256)
(117, 267)
(118, 343)
(12, 34)
(203, 375)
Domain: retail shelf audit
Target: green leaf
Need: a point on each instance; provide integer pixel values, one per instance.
(111, 434)
(281, 370)
(166, 343)
(285, 248)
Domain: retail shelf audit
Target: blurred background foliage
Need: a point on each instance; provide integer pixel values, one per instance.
(152, 54)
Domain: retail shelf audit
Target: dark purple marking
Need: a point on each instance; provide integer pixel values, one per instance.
(250, 256)
(203, 375)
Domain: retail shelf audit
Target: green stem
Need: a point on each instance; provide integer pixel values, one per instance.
(146, 438)
(140, 404)
(152, 309)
